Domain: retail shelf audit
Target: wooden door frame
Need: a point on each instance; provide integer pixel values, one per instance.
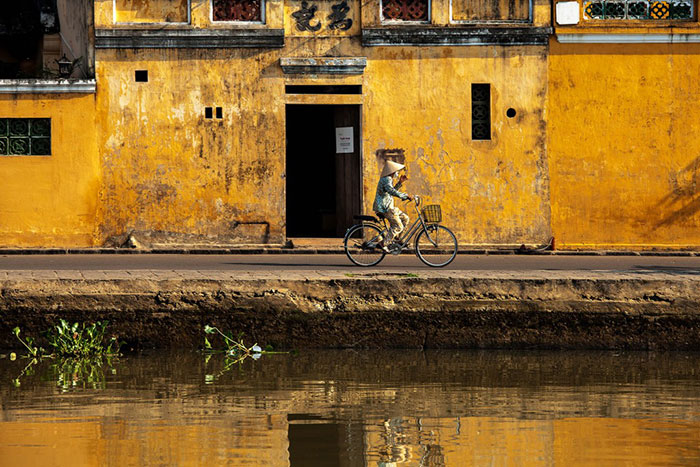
(334, 101)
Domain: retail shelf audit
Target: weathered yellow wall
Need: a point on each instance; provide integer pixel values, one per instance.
(51, 201)
(151, 11)
(623, 148)
(420, 99)
(172, 175)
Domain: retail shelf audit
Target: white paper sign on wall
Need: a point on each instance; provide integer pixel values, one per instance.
(344, 140)
(567, 13)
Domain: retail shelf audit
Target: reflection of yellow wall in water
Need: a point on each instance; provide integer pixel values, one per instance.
(475, 441)
(261, 439)
(51, 201)
(126, 441)
(587, 441)
(460, 442)
(624, 155)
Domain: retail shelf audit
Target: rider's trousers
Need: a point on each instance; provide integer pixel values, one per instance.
(398, 220)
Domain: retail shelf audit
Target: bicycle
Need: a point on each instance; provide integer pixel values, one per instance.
(435, 244)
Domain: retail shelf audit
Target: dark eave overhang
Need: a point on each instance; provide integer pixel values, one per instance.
(188, 38)
(434, 36)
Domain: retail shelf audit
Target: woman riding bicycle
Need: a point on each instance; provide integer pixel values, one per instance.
(384, 201)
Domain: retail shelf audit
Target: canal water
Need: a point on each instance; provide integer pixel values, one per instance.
(347, 408)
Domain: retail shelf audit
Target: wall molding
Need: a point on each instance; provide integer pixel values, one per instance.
(628, 38)
(47, 86)
(324, 65)
(441, 36)
(188, 38)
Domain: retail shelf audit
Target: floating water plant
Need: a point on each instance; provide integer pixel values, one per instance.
(76, 340)
(28, 342)
(234, 350)
(232, 347)
(81, 340)
(79, 350)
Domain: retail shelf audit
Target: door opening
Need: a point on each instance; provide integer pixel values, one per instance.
(323, 169)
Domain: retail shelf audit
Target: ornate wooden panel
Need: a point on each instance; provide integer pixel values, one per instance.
(406, 10)
(491, 10)
(237, 10)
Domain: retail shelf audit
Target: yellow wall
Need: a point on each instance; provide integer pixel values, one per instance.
(51, 201)
(171, 175)
(623, 153)
(151, 11)
(420, 99)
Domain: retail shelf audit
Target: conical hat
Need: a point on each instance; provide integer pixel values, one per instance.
(391, 167)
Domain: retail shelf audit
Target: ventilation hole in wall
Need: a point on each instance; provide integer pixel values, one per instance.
(219, 112)
(141, 76)
(510, 113)
(208, 112)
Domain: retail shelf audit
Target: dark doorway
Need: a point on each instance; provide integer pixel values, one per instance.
(323, 169)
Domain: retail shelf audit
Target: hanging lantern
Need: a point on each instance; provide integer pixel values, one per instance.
(65, 67)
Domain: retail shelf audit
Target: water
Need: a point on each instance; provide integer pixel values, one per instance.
(345, 408)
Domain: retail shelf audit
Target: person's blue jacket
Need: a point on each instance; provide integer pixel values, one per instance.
(384, 200)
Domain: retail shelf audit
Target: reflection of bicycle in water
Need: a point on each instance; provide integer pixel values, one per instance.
(435, 244)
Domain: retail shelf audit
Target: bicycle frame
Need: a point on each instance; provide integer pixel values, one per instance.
(364, 243)
(408, 233)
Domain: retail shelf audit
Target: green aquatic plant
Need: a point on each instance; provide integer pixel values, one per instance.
(235, 350)
(28, 342)
(232, 347)
(80, 373)
(79, 351)
(82, 340)
(73, 340)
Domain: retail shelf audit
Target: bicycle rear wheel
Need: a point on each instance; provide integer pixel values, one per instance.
(437, 247)
(362, 245)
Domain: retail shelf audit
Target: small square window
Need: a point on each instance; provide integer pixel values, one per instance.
(219, 112)
(141, 76)
(208, 112)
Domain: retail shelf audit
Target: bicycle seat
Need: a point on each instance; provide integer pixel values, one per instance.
(366, 218)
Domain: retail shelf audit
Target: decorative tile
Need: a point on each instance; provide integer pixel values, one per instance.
(638, 10)
(25, 136)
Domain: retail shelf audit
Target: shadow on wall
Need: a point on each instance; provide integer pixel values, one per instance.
(685, 193)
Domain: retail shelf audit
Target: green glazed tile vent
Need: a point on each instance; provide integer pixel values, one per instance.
(25, 136)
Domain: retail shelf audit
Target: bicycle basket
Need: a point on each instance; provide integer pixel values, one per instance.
(432, 213)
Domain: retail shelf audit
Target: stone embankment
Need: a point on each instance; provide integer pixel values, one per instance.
(365, 309)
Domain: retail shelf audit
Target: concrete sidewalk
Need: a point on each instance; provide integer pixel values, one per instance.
(303, 246)
(348, 274)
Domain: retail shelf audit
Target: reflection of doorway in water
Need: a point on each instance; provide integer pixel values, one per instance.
(323, 186)
(318, 442)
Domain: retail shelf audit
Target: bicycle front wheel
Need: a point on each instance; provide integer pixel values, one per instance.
(436, 246)
(362, 245)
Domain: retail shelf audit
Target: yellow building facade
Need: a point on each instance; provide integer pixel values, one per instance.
(228, 122)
